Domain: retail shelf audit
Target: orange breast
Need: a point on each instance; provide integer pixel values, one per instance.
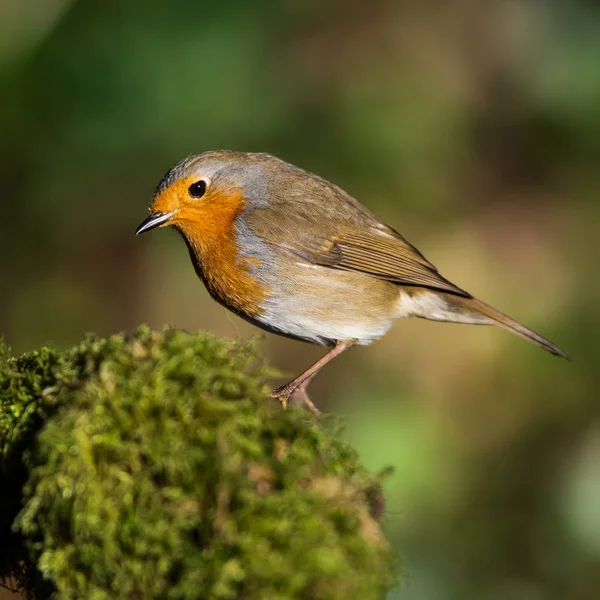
(210, 234)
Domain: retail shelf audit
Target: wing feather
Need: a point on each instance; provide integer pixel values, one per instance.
(348, 238)
(381, 253)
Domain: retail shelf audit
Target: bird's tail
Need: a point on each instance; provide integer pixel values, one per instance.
(476, 307)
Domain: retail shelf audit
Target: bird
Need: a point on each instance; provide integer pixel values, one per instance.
(296, 255)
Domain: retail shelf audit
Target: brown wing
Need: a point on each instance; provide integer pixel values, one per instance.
(380, 252)
(318, 222)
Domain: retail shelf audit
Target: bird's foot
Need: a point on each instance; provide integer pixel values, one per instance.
(285, 392)
(282, 394)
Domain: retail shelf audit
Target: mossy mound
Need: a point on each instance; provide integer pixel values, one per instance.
(155, 466)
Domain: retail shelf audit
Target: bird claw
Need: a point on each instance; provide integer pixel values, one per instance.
(282, 394)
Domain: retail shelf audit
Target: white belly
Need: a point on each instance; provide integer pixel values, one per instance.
(323, 305)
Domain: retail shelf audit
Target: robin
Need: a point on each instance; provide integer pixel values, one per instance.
(296, 255)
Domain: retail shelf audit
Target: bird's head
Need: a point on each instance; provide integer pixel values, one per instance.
(202, 190)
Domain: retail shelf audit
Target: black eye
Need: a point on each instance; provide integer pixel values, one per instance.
(197, 190)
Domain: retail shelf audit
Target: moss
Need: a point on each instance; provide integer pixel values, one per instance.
(155, 466)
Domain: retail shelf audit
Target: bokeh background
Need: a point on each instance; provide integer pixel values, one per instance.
(471, 126)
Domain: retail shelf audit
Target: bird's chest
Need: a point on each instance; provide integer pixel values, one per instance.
(225, 272)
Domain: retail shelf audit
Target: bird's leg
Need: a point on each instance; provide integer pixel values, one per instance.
(301, 382)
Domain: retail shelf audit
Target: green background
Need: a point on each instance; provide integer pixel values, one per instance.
(472, 127)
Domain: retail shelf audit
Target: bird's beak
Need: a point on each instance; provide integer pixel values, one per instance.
(156, 219)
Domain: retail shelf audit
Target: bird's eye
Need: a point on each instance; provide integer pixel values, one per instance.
(197, 189)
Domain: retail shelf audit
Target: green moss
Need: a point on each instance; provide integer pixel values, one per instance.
(155, 466)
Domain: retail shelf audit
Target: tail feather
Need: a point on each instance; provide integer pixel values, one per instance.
(478, 307)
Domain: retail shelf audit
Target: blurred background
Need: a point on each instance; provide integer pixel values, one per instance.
(471, 126)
